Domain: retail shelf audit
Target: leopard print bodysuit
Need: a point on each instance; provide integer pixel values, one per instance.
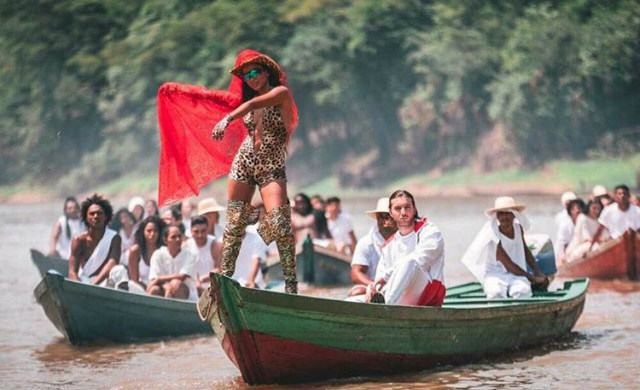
(267, 163)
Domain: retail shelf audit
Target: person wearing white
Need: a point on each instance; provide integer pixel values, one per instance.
(210, 209)
(148, 238)
(95, 253)
(563, 215)
(575, 208)
(498, 256)
(252, 252)
(207, 249)
(411, 259)
(65, 228)
(340, 227)
(620, 216)
(364, 262)
(586, 228)
(173, 269)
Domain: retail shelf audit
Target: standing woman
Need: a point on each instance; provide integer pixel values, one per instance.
(251, 153)
(268, 115)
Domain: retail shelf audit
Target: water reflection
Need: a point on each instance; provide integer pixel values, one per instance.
(59, 353)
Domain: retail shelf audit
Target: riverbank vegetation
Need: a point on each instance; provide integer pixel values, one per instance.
(389, 91)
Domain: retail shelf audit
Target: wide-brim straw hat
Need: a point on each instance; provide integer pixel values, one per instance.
(249, 56)
(209, 205)
(381, 207)
(504, 203)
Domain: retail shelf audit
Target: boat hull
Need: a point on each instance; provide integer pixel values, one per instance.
(45, 263)
(274, 337)
(317, 266)
(84, 313)
(616, 259)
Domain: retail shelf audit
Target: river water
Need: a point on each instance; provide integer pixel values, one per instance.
(602, 352)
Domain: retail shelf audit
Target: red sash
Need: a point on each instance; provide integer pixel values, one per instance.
(433, 294)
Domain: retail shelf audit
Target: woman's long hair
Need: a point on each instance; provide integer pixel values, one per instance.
(139, 237)
(67, 228)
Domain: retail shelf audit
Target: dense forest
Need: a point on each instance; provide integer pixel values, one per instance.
(444, 83)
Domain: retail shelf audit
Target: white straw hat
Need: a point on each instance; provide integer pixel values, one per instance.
(504, 203)
(135, 201)
(209, 205)
(599, 190)
(381, 207)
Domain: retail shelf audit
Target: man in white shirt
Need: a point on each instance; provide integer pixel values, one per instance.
(620, 216)
(411, 267)
(210, 209)
(340, 227)
(207, 249)
(368, 249)
(252, 252)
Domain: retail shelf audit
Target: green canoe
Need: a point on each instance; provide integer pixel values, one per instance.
(45, 263)
(85, 313)
(315, 265)
(274, 337)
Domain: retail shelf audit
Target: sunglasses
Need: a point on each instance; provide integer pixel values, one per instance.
(252, 74)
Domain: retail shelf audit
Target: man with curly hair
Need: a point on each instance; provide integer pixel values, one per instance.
(95, 254)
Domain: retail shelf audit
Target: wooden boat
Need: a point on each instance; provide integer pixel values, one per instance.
(615, 259)
(316, 265)
(85, 313)
(45, 263)
(274, 337)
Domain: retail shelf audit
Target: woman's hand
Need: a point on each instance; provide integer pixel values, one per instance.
(218, 130)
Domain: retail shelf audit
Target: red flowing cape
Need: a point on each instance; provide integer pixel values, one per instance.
(189, 158)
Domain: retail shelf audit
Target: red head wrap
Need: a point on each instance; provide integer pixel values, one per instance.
(189, 158)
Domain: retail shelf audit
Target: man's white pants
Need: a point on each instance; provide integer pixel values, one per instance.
(406, 284)
(506, 285)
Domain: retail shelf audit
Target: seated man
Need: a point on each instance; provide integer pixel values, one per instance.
(367, 254)
(499, 255)
(253, 251)
(340, 227)
(210, 209)
(618, 217)
(207, 249)
(95, 254)
(172, 272)
(410, 271)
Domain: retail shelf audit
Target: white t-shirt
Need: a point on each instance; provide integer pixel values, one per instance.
(426, 246)
(368, 251)
(618, 221)
(561, 217)
(162, 264)
(252, 248)
(565, 235)
(204, 261)
(340, 228)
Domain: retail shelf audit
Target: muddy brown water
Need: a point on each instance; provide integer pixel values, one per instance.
(602, 352)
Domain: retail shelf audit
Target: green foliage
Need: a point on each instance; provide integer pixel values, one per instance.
(428, 80)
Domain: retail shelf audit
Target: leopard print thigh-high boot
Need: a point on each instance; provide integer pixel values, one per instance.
(239, 215)
(277, 227)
